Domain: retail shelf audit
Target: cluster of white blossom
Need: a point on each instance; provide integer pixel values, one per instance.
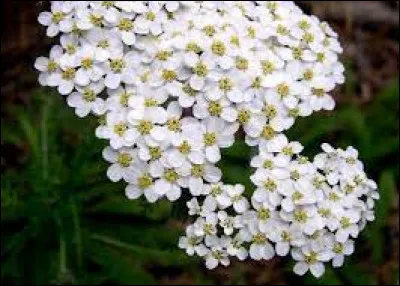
(173, 81)
(309, 210)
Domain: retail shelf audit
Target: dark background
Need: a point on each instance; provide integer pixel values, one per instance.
(63, 222)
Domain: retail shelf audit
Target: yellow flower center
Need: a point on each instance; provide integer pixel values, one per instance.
(163, 55)
(57, 17)
(345, 222)
(193, 47)
(242, 63)
(103, 44)
(209, 30)
(210, 139)
(297, 196)
(144, 127)
(52, 66)
(120, 128)
(87, 63)
(338, 248)
(256, 84)
(171, 176)
(197, 171)
(124, 159)
(259, 238)
(225, 84)
(270, 111)
(218, 48)
(151, 16)
(300, 216)
(96, 20)
(214, 108)
(174, 125)
(68, 74)
(283, 89)
(200, 69)
(185, 147)
(267, 67)
(297, 53)
(117, 65)
(88, 95)
(319, 92)
(304, 25)
(311, 258)
(244, 116)
(263, 214)
(268, 132)
(169, 75)
(268, 164)
(125, 25)
(308, 74)
(144, 181)
(155, 153)
(270, 185)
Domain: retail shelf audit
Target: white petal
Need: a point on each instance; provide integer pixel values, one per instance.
(133, 192)
(300, 268)
(213, 154)
(317, 269)
(114, 173)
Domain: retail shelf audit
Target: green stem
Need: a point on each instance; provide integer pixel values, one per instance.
(78, 234)
(44, 145)
(63, 254)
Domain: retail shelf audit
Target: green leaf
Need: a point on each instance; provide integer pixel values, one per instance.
(118, 266)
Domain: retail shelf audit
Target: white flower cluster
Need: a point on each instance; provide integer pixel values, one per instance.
(173, 81)
(309, 210)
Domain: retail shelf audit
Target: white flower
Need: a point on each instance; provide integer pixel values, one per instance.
(235, 248)
(151, 20)
(340, 250)
(260, 247)
(118, 99)
(185, 94)
(118, 131)
(123, 162)
(89, 70)
(208, 207)
(121, 69)
(146, 106)
(310, 260)
(226, 222)
(141, 183)
(305, 218)
(348, 225)
(217, 255)
(168, 182)
(85, 100)
(49, 67)
(233, 196)
(267, 186)
(217, 134)
(59, 19)
(200, 173)
(218, 108)
(285, 236)
(202, 69)
(190, 242)
(186, 149)
(206, 226)
(105, 43)
(125, 28)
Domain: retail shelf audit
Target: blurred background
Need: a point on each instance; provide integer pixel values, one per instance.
(63, 222)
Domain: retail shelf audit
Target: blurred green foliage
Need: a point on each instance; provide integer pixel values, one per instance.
(63, 222)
